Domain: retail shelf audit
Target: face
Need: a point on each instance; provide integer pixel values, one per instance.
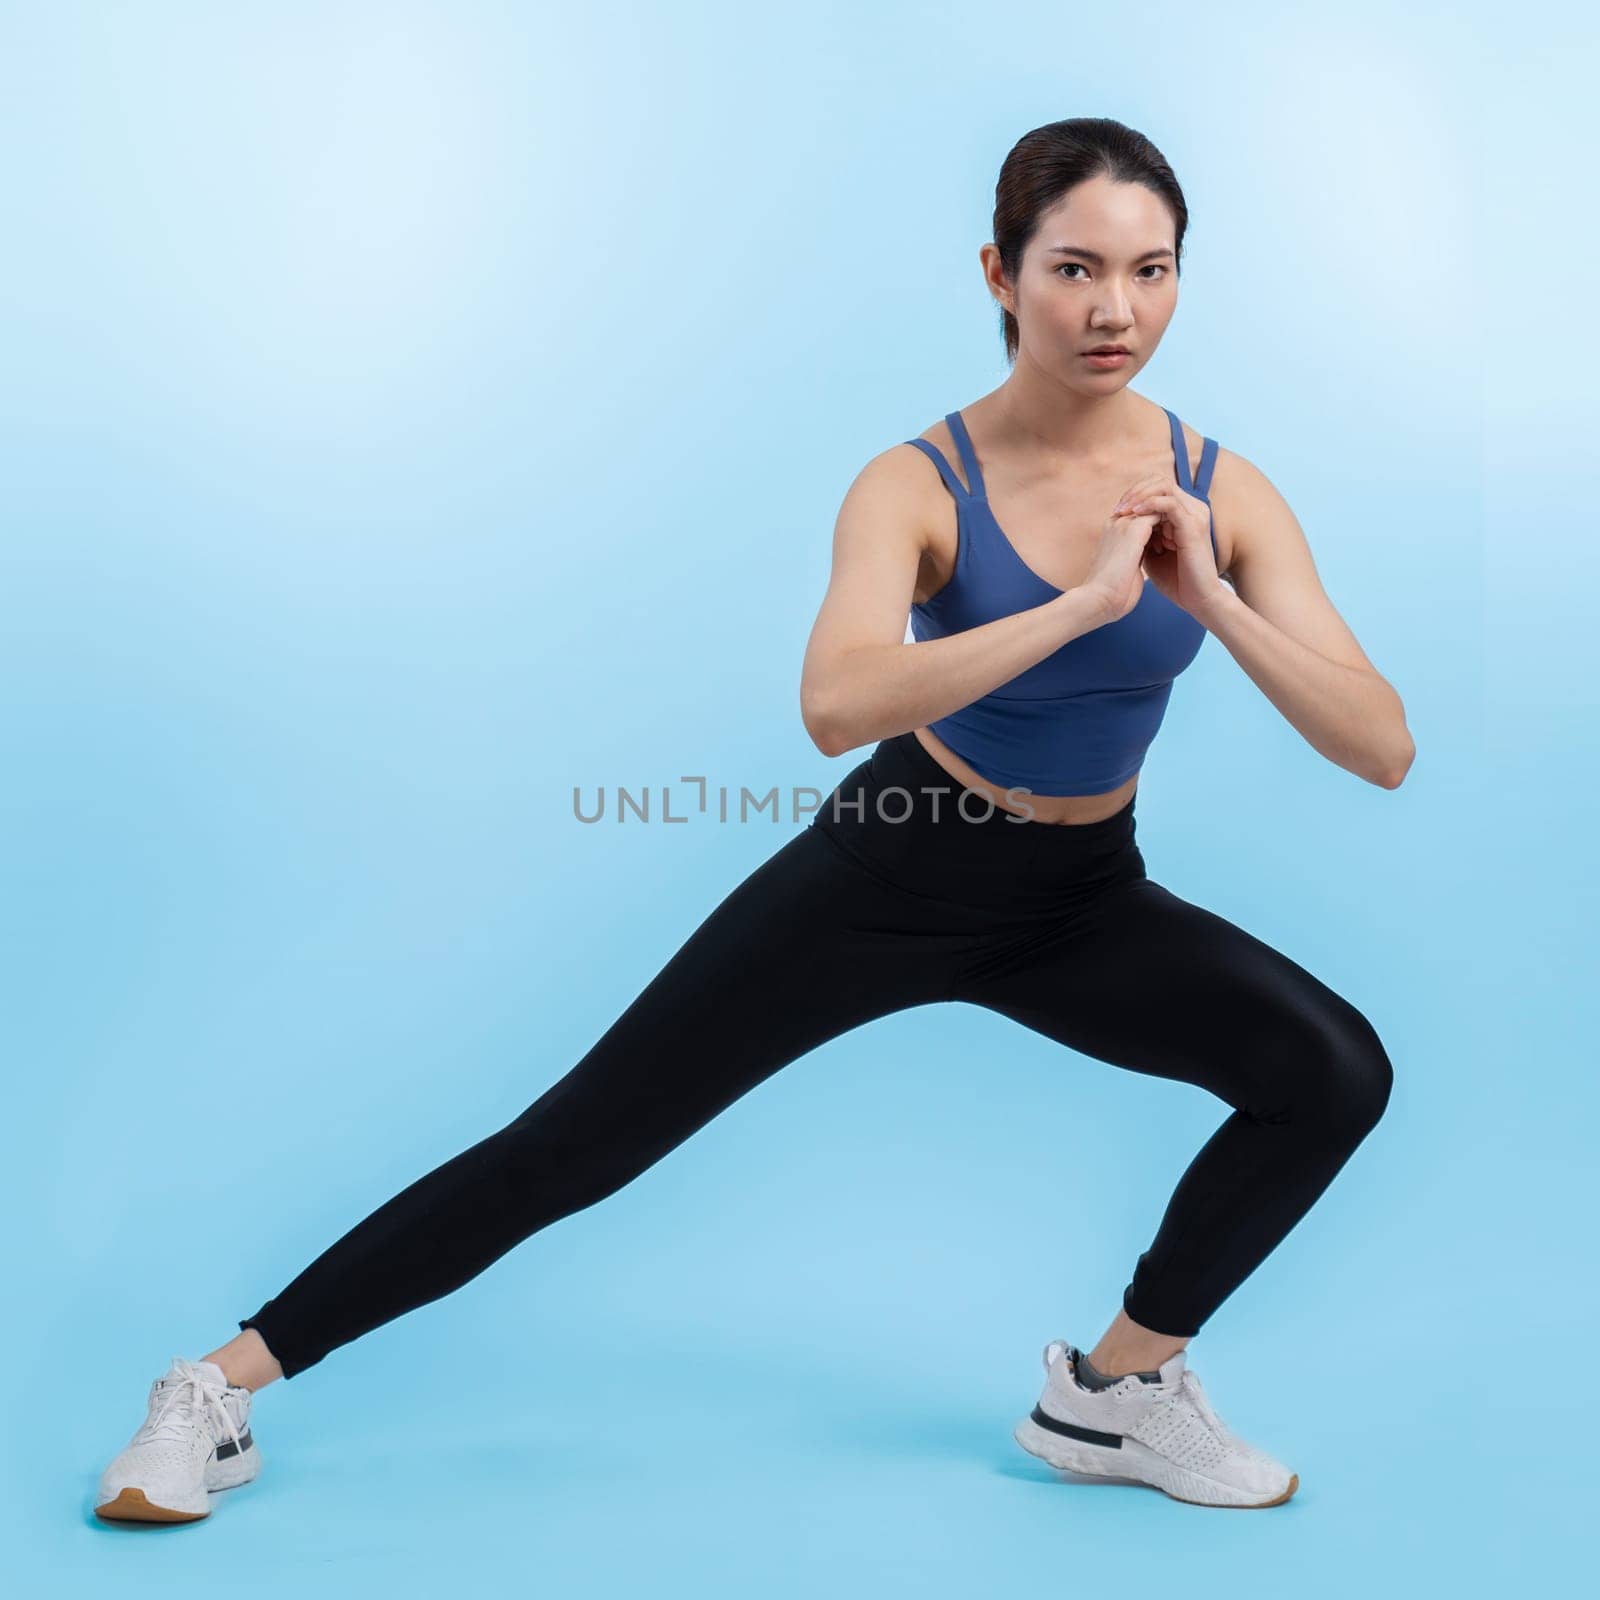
(1099, 269)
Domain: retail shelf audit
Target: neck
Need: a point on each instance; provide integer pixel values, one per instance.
(1060, 424)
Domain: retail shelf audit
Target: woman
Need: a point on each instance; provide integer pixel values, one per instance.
(1060, 544)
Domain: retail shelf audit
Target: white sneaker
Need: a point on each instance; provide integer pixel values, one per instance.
(1142, 1431)
(196, 1438)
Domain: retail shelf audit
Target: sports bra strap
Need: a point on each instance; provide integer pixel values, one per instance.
(1180, 453)
(936, 456)
(1200, 485)
(969, 456)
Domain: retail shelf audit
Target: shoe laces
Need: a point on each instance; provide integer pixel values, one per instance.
(1190, 1385)
(186, 1401)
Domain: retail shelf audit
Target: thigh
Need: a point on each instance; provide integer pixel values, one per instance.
(1146, 980)
(808, 946)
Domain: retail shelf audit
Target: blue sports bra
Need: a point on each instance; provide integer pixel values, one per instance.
(1079, 721)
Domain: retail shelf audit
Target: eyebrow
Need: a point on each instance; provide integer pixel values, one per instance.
(1095, 257)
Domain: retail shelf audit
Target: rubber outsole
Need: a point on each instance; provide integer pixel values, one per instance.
(131, 1505)
(1091, 1461)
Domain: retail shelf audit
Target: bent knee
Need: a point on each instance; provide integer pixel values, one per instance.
(1352, 1077)
(1331, 1074)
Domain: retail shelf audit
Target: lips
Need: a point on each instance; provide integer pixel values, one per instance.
(1108, 350)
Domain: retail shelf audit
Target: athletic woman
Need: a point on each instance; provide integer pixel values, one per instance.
(1061, 545)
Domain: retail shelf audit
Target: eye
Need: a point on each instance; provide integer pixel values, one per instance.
(1154, 266)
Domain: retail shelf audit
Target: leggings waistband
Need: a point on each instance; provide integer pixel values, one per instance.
(900, 811)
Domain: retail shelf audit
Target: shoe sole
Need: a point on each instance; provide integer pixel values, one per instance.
(1136, 1463)
(132, 1504)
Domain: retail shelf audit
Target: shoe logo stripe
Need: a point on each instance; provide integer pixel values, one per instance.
(1112, 1441)
(229, 1448)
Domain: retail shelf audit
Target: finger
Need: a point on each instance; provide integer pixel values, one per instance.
(1136, 488)
(1159, 499)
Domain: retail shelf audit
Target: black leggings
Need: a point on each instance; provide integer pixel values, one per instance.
(905, 890)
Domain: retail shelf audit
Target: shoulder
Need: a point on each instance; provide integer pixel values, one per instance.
(897, 489)
(898, 471)
(908, 475)
(1247, 507)
(1237, 483)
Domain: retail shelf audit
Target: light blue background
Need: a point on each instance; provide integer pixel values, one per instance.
(411, 412)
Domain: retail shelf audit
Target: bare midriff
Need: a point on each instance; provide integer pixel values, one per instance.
(1057, 808)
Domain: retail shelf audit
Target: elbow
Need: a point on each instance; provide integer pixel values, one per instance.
(821, 723)
(1394, 775)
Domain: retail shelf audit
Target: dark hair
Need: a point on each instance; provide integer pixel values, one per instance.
(1048, 162)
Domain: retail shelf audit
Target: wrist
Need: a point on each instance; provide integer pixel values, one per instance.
(1217, 607)
(1088, 606)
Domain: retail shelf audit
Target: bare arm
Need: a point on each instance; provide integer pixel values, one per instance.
(861, 681)
(1280, 626)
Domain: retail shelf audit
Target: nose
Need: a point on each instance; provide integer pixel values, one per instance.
(1113, 315)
